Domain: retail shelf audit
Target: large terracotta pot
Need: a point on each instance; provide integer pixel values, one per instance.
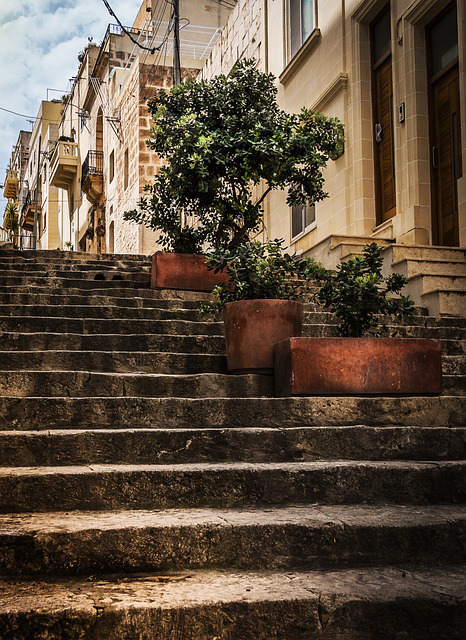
(357, 366)
(253, 327)
(187, 271)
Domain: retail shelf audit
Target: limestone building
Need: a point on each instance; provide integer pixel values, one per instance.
(395, 74)
(100, 162)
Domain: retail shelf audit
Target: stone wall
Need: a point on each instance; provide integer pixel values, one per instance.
(241, 38)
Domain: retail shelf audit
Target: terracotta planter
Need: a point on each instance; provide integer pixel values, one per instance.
(357, 366)
(253, 327)
(186, 271)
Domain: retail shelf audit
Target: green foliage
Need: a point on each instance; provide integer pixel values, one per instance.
(10, 218)
(258, 271)
(219, 139)
(358, 294)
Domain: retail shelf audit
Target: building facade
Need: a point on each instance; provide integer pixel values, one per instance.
(395, 74)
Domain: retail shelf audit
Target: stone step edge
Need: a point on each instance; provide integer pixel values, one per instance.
(79, 542)
(256, 604)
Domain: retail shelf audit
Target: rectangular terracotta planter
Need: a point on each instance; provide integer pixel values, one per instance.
(357, 366)
(185, 271)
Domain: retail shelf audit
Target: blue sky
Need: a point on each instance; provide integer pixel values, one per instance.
(39, 44)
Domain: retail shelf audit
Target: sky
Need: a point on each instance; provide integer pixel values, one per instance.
(39, 44)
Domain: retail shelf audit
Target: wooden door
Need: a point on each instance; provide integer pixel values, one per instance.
(446, 157)
(384, 146)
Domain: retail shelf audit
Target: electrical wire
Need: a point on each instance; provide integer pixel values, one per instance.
(141, 46)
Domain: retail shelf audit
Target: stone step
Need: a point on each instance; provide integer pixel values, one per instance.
(113, 313)
(410, 267)
(395, 253)
(307, 537)
(46, 255)
(454, 384)
(120, 362)
(30, 266)
(248, 444)
(454, 365)
(96, 288)
(311, 316)
(145, 362)
(64, 283)
(445, 302)
(75, 384)
(138, 342)
(419, 285)
(70, 413)
(108, 275)
(230, 485)
(95, 326)
(383, 603)
(99, 301)
(171, 326)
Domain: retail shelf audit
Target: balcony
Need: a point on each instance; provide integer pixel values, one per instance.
(92, 178)
(11, 184)
(64, 164)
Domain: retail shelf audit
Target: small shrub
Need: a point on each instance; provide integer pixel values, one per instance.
(358, 294)
(258, 271)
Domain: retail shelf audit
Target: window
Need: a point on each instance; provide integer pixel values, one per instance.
(301, 20)
(444, 41)
(126, 168)
(111, 168)
(303, 217)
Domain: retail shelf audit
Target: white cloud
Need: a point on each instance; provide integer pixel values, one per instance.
(39, 44)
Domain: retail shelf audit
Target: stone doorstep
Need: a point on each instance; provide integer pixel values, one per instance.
(174, 446)
(68, 413)
(230, 485)
(288, 537)
(200, 605)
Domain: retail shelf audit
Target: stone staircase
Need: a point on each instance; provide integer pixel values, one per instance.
(436, 275)
(148, 495)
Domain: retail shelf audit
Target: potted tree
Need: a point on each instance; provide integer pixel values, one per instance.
(260, 301)
(218, 139)
(360, 361)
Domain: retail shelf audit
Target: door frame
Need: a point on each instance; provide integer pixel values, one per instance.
(431, 81)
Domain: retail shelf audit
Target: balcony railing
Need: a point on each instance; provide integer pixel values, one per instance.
(11, 184)
(93, 164)
(64, 164)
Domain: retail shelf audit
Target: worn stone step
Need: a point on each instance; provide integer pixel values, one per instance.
(114, 361)
(129, 412)
(419, 285)
(144, 362)
(107, 313)
(230, 485)
(454, 384)
(137, 342)
(67, 282)
(383, 603)
(98, 301)
(454, 365)
(104, 266)
(410, 267)
(99, 291)
(178, 311)
(399, 252)
(190, 327)
(248, 444)
(47, 255)
(80, 274)
(309, 537)
(86, 384)
(95, 326)
(445, 302)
